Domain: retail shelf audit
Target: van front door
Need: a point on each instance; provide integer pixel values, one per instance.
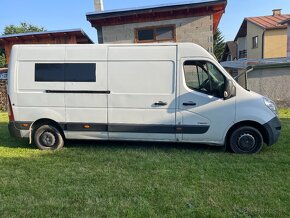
(202, 110)
(141, 105)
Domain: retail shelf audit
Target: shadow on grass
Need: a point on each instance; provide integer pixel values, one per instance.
(143, 145)
(7, 141)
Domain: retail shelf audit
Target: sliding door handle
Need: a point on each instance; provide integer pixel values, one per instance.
(190, 103)
(160, 103)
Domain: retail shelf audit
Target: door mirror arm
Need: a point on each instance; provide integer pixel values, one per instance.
(230, 90)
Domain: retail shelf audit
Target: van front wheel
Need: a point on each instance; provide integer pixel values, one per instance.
(48, 137)
(246, 140)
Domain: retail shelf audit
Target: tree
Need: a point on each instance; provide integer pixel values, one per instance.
(22, 28)
(2, 60)
(218, 44)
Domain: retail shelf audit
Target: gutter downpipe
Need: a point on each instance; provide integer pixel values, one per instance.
(263, 43)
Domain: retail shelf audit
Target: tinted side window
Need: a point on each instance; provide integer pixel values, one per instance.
(80, 72)
(71, 72)
(203, 76)
(49, 72)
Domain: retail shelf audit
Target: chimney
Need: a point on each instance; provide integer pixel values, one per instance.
(99, 5)
(277, 12)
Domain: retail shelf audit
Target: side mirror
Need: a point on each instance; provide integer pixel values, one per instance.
(230, 90)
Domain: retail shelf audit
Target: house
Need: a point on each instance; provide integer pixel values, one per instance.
(230, 52)
(287, 21)
(194, 21)
(263, 37)
(75, 36)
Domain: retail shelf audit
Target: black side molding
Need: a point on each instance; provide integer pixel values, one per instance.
(15, 127)
(78, 92)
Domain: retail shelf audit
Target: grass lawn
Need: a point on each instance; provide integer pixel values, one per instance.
(118, 179)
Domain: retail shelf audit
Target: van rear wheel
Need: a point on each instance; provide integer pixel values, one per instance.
(246, 140)
(48, 137)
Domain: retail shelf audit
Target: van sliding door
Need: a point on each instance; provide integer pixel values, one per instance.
(142, 104)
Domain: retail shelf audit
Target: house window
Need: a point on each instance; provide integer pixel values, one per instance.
(255, 42)
(155, 34)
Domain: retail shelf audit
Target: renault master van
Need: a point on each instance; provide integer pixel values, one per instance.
(148, 92)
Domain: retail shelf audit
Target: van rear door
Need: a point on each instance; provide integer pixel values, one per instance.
(142, 81)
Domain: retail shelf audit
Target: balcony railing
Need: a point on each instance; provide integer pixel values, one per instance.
(243, 54)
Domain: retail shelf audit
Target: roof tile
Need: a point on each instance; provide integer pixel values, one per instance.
(270, 22)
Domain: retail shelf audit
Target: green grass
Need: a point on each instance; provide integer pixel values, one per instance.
(121, 179)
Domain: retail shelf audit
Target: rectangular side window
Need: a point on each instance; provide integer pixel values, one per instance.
(80, 72)
(146, 35)
(204, 77)
(70, 72)
(49, 72)
(255, 42)
(155, 34)
(164, 33)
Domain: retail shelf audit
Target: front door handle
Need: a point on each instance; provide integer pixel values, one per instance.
(190, 103)
(160, 103)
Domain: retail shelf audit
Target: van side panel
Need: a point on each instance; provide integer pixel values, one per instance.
(88, 101)
(139, 79)
(33, 102)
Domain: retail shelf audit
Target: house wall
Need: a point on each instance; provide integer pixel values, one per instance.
(252, 31)
(242, 45)
(194, 29)
(275, 43)
(271, 82)
(288, 47)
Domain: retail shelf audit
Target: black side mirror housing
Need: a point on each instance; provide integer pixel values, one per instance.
(230, 90)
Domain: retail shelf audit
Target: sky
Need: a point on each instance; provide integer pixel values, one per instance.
(70, 14)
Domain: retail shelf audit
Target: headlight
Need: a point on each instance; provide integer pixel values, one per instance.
(271, 105)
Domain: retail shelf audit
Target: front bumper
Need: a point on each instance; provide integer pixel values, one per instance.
(273, 130)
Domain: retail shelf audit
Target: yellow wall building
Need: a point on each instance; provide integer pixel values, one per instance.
(263, 37)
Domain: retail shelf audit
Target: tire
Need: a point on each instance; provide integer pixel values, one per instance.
(48, 137)
(246, 140)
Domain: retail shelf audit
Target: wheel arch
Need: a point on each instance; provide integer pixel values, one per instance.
(250, 123)
(44, 121)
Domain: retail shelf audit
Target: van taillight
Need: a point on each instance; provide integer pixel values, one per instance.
(10, 111)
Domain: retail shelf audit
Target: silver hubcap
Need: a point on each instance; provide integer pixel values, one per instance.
(246, 141)
(48, 139)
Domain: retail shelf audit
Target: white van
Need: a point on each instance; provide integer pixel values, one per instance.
(148, 92)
